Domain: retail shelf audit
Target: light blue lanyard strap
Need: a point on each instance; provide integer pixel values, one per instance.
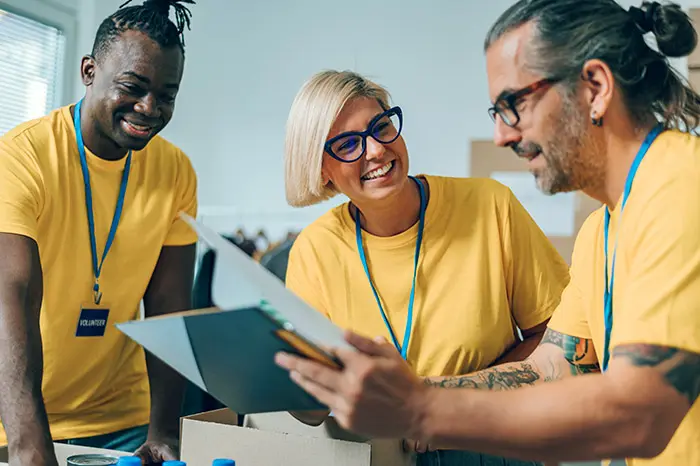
(403, 349)
(97, 267)
(610, 277)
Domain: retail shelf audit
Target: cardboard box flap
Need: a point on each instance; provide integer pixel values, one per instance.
(230, 353)
(287, 424)
(278, 438)
(204, 441)
(219, 416)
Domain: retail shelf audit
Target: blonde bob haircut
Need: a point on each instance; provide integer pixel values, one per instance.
(314, 110)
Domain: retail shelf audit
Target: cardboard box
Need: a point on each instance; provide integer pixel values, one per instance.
(279, 439)
(486, 159)
(64, 451)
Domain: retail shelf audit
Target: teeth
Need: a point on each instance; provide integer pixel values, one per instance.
(378, 172)
(139, 127)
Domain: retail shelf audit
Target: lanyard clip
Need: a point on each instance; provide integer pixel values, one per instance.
(97, 294)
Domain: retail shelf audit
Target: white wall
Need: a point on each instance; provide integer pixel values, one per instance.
(246, 60)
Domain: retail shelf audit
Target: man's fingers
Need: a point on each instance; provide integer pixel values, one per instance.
(144, 454)
(377, 347)
(410, 446)
(320, 374)
(168, 454)
(319, 392)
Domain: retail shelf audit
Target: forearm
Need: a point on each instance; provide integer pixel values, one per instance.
(504, 377)
(167, 392)
(21, 403)
(557, 356)
(169, 291)
(582, 418)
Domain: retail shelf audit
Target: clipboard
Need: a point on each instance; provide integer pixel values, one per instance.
(228, 350)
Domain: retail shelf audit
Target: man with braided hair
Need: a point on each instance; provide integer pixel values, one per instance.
(89, 227)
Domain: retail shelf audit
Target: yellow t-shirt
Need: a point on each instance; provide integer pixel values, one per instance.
(484, 267)
(92, 385)
(657, 271)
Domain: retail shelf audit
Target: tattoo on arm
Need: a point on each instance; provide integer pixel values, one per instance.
(681, 369)
(504, 377)
(578, 358)
(578, 352)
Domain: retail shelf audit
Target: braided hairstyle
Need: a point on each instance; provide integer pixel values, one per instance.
(150, 18)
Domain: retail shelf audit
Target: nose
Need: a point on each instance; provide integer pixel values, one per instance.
(504, 135)
(374, 150)
(148, 106)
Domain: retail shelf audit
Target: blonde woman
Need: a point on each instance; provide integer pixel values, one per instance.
(444, 268)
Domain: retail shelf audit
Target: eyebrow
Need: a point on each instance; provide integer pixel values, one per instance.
(504, 93)
(372, 121)
(145, 80)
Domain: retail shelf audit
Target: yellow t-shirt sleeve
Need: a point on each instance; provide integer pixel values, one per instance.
(180, 232)
(536, 271)
(661, 304)
(302, 274)
(569, 317)
(21, 193)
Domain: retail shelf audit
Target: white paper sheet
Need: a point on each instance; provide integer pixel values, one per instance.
(555, 214)
(239, 281)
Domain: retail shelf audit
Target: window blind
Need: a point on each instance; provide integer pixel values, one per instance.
(31, 67)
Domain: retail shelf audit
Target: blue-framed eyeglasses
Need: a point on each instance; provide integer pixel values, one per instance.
(350, 146)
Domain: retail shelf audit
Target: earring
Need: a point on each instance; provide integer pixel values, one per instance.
(596, 121)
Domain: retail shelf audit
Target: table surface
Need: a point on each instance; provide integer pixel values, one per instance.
(64, 451)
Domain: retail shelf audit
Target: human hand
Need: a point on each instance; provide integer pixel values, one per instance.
(375, 394)
(157, 451)
(411, 446)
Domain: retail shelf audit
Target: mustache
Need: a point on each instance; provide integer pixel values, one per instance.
(525, 149)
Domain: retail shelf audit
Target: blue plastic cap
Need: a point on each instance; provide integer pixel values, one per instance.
(129, 461)
(223, 462)
(174, 463)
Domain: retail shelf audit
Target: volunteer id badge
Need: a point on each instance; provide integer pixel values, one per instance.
(92, 321)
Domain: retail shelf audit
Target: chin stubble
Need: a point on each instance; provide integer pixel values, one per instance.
(572, 157)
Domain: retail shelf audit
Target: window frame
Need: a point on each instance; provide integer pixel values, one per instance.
(64, 19)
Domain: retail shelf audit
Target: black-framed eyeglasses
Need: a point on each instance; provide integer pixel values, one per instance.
(350, 146)
(505, 106)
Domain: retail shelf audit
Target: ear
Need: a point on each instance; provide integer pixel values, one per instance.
(87, 69)
(325, 176)
(598, 86)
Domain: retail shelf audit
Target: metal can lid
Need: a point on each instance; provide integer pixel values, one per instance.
(92, 460)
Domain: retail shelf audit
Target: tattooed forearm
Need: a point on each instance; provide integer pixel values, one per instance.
(503, 377)
(681, 369)
(579, 352)
(557, 356)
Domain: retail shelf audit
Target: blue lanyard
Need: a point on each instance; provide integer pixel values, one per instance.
(97, 267)
(403, 349)
(609, 282)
